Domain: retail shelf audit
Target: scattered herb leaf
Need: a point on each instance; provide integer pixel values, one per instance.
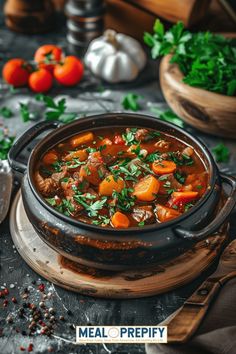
(6, 143)
(130, 102)
(221, 153)
(168, 116)
(6, 112)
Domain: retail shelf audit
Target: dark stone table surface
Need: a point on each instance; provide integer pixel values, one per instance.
(16, 275)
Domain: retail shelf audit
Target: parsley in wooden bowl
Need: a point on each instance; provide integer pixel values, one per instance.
(197, 76)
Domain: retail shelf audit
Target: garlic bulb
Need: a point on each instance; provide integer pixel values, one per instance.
(115, 57)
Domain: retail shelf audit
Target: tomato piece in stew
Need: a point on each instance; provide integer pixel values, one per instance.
(120, 178)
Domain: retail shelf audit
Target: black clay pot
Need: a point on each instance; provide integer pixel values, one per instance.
(114, 249)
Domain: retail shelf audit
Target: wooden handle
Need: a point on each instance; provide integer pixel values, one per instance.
(187, 320)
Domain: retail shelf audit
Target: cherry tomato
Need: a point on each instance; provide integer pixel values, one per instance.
(40, 80)
(16, 72)
(70, 72)
(47, 56)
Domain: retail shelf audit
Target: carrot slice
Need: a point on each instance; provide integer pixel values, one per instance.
(146, 188)
(109, 185)
(184, 197)
(79, 154)
(165, 214)
(120, 220)
(81, 139)
(50, 158)
(163, 167)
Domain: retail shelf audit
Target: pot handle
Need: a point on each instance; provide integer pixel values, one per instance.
(24, 140)
(219, 219)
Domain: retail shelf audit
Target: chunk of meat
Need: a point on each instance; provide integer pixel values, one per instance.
(47, 186)
(143, 213)
(164, 214)
(162, 145)
(58, 176)
(67, 187)
(142, 135)
(94, 170)
(83, 184)
(168, 182)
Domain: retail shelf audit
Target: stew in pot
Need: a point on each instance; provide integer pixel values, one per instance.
(129, 177)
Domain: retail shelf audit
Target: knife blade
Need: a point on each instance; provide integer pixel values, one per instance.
(6, 180)
(185, 321)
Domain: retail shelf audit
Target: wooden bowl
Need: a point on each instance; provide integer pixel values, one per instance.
(207, 111)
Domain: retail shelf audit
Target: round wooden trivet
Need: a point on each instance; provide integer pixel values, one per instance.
(126, 284)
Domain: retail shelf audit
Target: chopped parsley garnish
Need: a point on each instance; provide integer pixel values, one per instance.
(75, 163)
(136, 150)
(124, 200)
(102, 220)
(170, 191)
(141, 223)
(188, 206)
(167, 184)
(185, 160)
(129, 136)
(51, 201)
(102, 147)
(65, 179)
(131, 173)
(153, 156)
(57, 166)
(162, 178)
(100, 173)
(65, 207)
(89, 149)
(180, 177)
(93, 208)
(87, 171)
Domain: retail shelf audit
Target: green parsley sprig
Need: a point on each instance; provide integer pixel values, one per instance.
(207, 60)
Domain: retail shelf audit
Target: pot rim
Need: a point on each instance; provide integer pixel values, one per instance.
(213, 172)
